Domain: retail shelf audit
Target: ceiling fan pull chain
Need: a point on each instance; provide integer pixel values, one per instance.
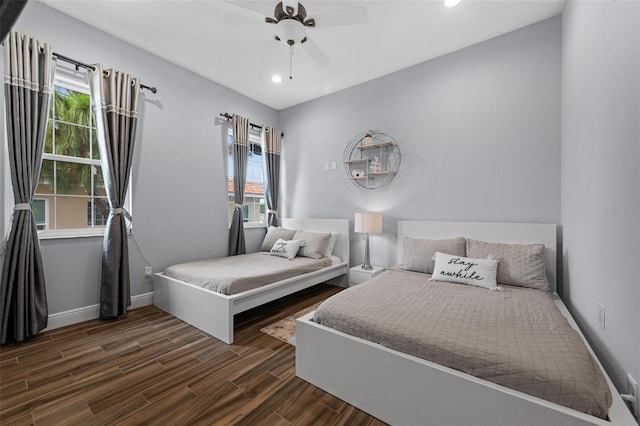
(291, 62)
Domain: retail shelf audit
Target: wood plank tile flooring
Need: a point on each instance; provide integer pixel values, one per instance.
(152, 368)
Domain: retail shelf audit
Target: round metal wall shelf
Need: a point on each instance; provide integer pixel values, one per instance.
(371, 159)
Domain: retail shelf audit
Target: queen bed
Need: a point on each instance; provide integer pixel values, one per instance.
(413, 351)
(207, 294)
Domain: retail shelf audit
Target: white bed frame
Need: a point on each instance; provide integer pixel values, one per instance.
(213, 312)
(401, 389)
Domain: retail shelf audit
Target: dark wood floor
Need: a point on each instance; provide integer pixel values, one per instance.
(152, 368)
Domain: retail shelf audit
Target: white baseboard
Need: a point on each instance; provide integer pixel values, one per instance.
(86, 313)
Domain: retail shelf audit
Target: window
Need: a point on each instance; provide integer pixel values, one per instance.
(71, 184)
(70, 198)
(253, 209)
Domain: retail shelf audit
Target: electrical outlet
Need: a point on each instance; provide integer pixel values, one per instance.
(601, 315)
(632, 389)
(148, 271)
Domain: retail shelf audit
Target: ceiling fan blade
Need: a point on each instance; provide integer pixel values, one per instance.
(315, 53)
(352, 16)
(261, 55)
(236, 9)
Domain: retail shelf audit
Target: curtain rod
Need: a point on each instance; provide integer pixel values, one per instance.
(253, 125)
(92, 68)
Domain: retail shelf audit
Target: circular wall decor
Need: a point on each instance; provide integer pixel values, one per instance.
(371, 159)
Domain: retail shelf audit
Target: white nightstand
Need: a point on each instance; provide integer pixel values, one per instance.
(357, 275)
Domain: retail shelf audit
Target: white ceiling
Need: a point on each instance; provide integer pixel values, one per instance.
(229, 42)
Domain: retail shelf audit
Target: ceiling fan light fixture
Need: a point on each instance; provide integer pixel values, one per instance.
(290, 30)
(451, 3)
(276, 78)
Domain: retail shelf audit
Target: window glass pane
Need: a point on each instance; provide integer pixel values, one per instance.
(72, 140)
(72, 212)
(45, 182)
(98, 212)
(230, 158)
(102, 211)
(73, 178)
(98, 182)
(48, 138)
(254, 164)
(39, 212)
(95, 152)
(72, 107)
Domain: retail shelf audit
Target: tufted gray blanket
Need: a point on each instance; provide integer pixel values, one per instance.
(516, 338)
(235, 274)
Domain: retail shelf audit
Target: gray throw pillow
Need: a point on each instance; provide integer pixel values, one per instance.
(518, 264)
(418, 253)
(315, 243)
(274, 234)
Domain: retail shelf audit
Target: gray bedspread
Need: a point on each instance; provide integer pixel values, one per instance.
(235, 274)
(516, 338)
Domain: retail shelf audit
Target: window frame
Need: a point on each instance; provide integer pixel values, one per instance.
(79, 83)
(255, 138)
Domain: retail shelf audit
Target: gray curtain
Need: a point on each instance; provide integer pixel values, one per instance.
(271, 155)
(28, 83)
(115, 101)
(240, 153)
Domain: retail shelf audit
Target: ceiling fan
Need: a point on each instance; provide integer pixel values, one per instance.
(292, 20)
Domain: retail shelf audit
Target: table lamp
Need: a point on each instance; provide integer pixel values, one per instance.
(368, 223)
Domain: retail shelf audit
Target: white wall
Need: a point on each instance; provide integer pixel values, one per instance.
(479, 131)
(601, 177)
(179, 183)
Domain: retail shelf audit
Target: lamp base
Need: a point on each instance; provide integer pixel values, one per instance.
(367, 263)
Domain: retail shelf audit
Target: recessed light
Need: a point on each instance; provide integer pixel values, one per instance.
(451, 3)
(276, 79)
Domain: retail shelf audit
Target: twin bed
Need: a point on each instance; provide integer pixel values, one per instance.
(507, 357)
(212, 311)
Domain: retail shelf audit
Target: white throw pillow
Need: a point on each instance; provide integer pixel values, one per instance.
(332, 243)
(286, 248)
(465, 270)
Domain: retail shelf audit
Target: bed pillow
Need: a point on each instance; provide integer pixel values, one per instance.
(418, 253)
(520, 264)
(465, 270)
(286, 248)
(275, 233)
(315, 243)
(331, 245)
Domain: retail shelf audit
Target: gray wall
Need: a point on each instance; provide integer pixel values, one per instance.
(179, 183)
(600, 177)
(479, 131)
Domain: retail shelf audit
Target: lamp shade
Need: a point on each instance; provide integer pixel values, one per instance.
(368, 223)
